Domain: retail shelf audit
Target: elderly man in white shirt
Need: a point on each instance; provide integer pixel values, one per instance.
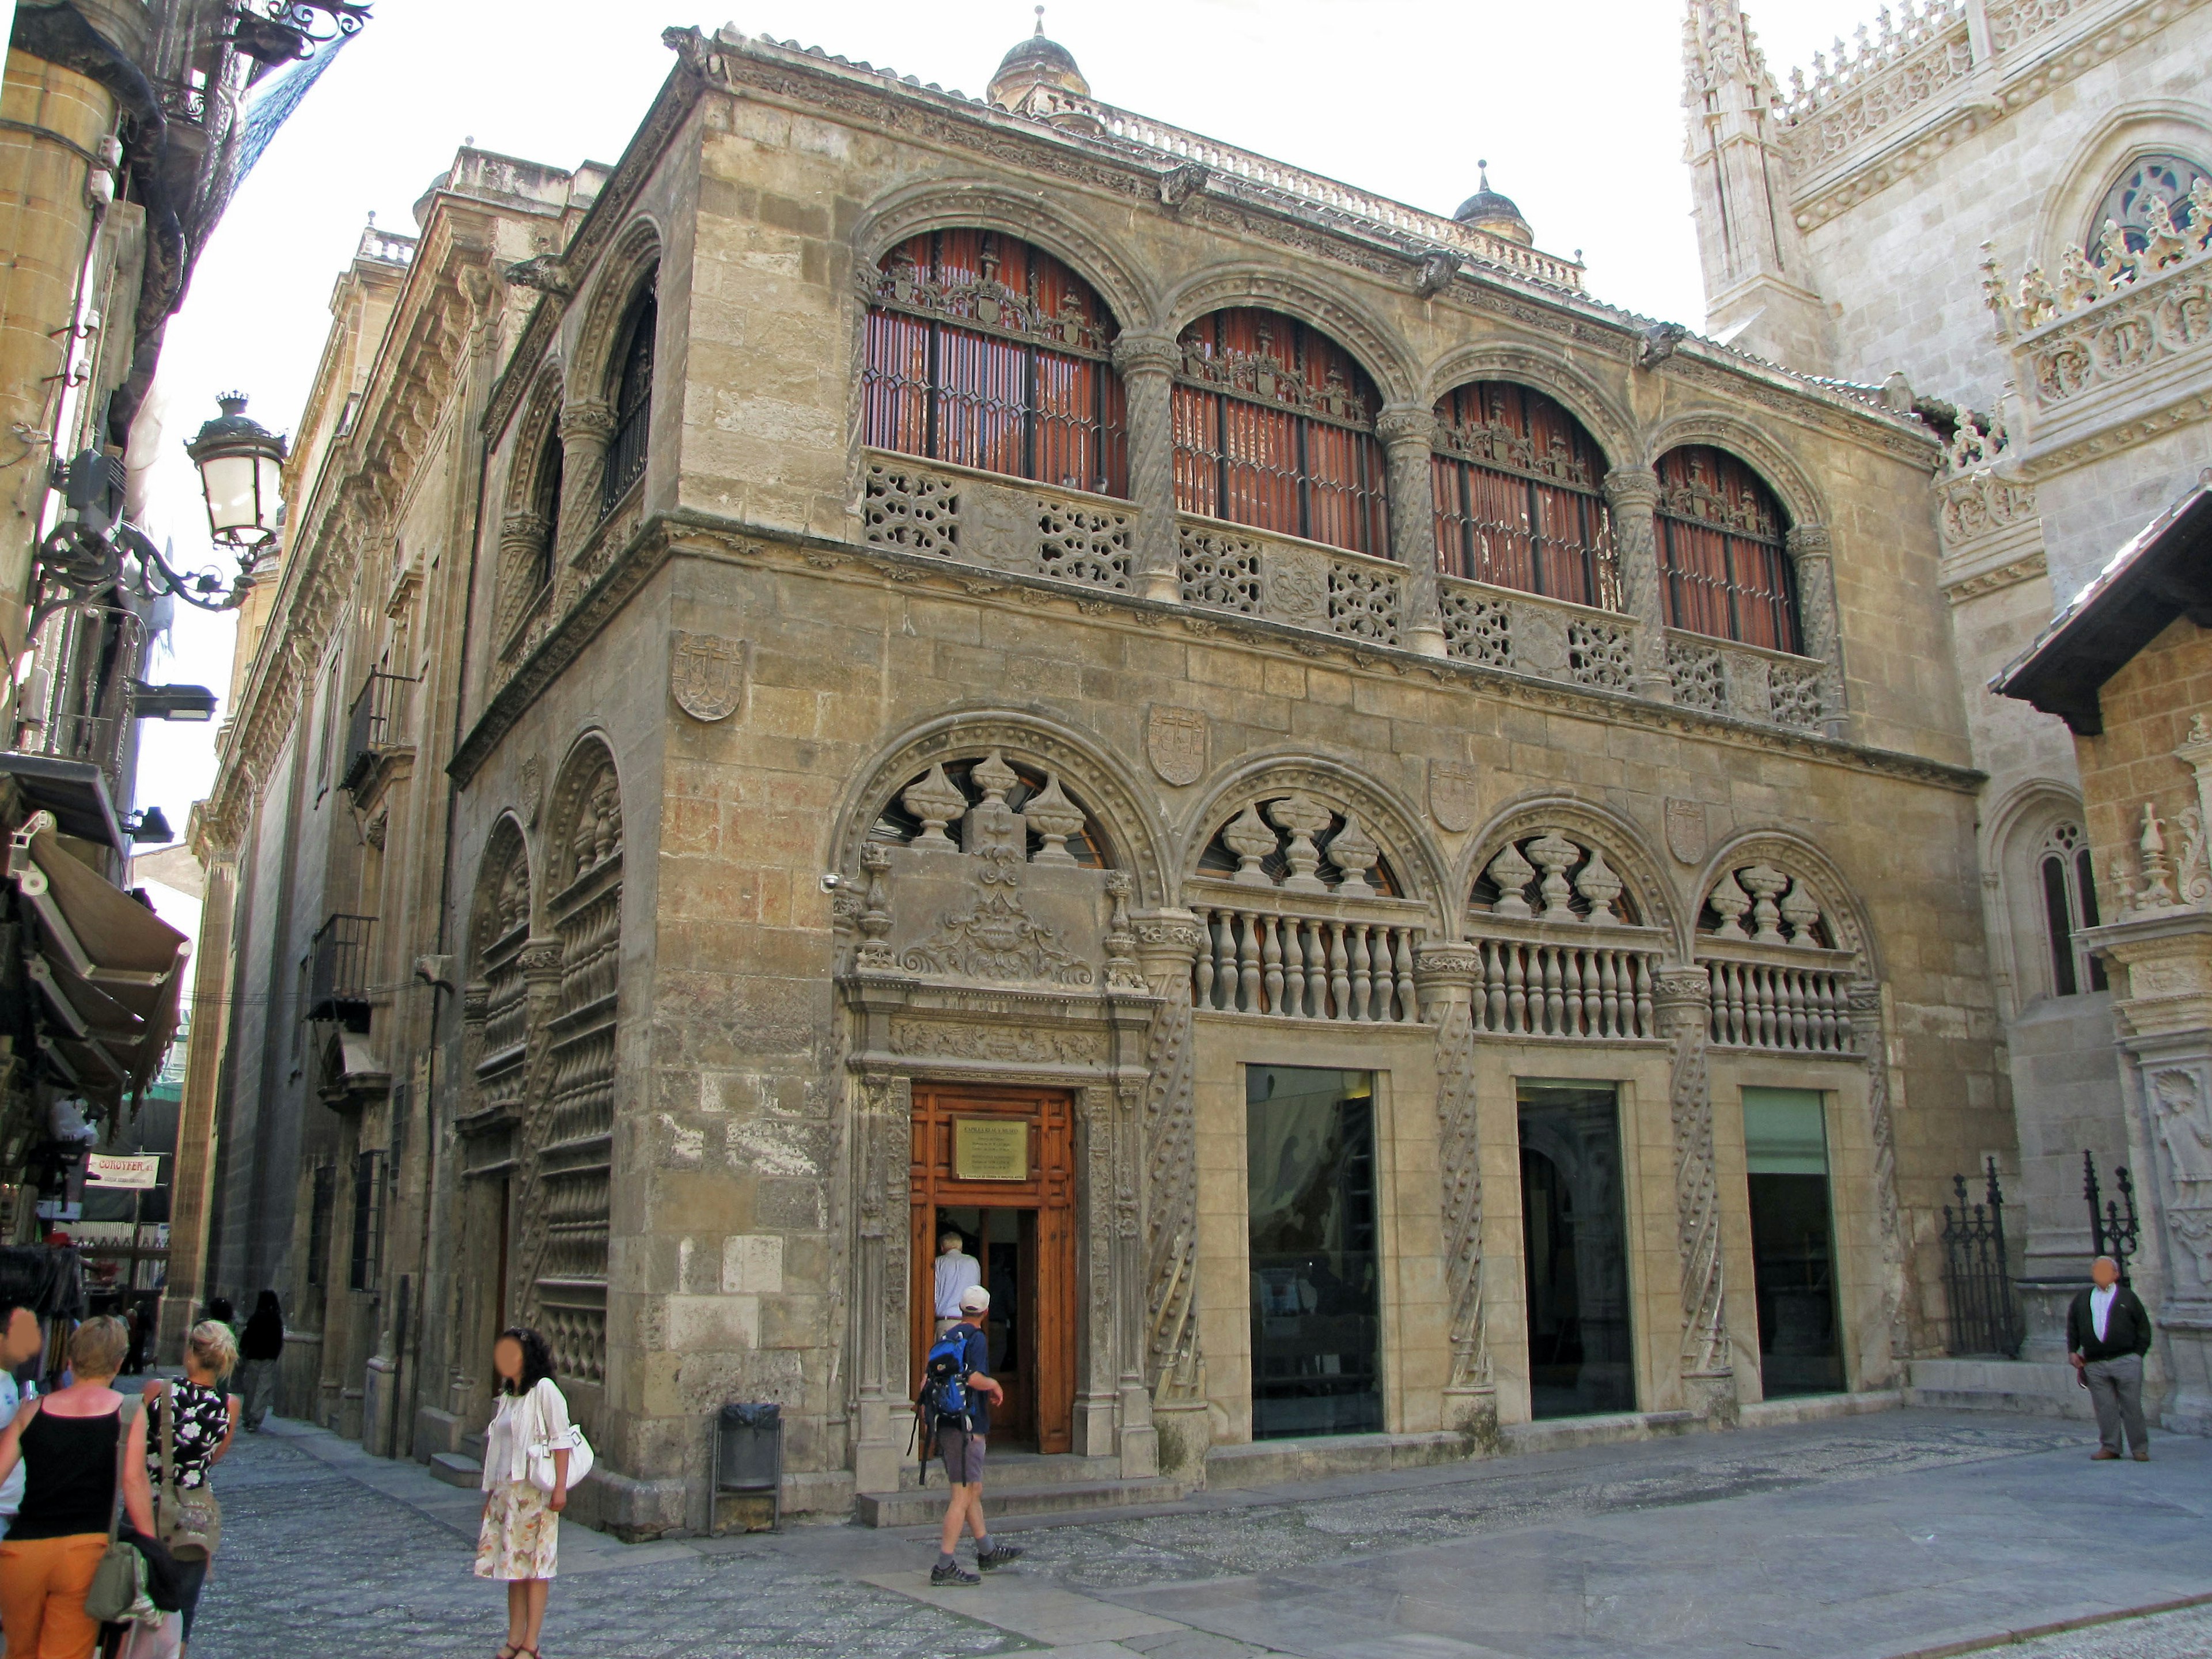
(957, 1272)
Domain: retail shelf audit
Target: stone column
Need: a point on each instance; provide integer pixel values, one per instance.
(1406, 431)
(1809, 548)
(1147, 364)
(1446, 975)
(1683, 999)
(587, 425)
(1167, 944)
(1632, 496)
(883, 1122)
(1867, 1031)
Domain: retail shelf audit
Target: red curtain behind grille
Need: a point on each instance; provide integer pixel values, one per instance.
(1504, 521)
(980, 399)
(1255, 457)
(1721, 558)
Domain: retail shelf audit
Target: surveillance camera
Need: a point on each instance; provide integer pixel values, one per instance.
(831, 881)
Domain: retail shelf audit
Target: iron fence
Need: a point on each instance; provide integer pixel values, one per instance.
(1985, 1316)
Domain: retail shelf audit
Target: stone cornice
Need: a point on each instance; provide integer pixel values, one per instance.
(685, 533)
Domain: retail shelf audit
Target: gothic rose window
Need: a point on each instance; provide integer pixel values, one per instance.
(1722, 560)
(2070, 906)
(986, 352)
(633, 393)
(1274, 428)
(2127, 203)
(920, 812)
(1517, 498)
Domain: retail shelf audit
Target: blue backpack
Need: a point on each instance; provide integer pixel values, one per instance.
(944, 1378)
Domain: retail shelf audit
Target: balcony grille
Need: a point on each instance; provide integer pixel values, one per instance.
(337, 972)
(374, 725)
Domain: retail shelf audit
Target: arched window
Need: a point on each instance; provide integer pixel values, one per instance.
(2069, 905)
(1722, 559)
(633, 393)
(988, 353)
(545, 508)
(1517, 497)
(2127, 203)
(1274, 428)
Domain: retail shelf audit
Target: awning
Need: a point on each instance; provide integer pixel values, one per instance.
(74, 791)
(109, 971)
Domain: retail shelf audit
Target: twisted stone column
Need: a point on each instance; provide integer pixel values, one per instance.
(1446, 975)
(1167, 944)
(1147, 364)
(1632, 496)
(1406, 431)
(586, 427)
(1683, 998)
(1866, 1032)
(1808, 547)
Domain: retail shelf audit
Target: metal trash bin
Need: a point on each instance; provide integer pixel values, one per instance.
(748, 1458)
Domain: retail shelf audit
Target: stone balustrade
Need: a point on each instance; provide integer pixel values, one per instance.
(1530, 983)
(1854, 94)
(1325, 959)
(1016, 526)
(1763, 1001)
(2099, 326)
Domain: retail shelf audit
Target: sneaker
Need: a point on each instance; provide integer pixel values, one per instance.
(955, 1574)
(1000, 1555)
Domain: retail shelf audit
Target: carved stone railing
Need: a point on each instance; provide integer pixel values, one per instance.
(1572, 981)
(2091, 331)
(1973, 507)
(1006, 524)
(2017, 23)
(1721, 676)
(1792, 999)
(1859, 93)
(1332, 199)
(1306, 958)
(1227, 567)
(1499, 628)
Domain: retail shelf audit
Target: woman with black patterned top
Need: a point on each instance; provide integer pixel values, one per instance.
(206, 1417)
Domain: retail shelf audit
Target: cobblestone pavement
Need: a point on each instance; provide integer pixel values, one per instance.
(1859, 1539)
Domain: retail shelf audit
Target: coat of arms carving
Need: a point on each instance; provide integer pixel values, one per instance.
(707, 675)
(1452, 794)
(1174, 741)
(1686, 829)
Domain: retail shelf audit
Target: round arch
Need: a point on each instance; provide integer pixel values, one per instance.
(2126, 134)
(1623, 841)
(1105, 786)
(1387, 815)
(633, 255)
(535, 429)
(2011, 843)
(982, 205)
(503, 884)
(1801, 498)
(1793, 855)
(1377, 347)
(579, 789)
(1550, 373)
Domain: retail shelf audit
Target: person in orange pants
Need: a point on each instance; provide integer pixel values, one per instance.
(67, 1442)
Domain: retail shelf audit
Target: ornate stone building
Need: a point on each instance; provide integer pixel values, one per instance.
(1998, 208)
(1391, 846)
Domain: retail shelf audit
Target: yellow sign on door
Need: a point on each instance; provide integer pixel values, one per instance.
(990, 1149)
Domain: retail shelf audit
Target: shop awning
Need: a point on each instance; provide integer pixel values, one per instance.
(109, 971)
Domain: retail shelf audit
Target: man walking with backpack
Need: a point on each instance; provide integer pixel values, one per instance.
(956, 1396)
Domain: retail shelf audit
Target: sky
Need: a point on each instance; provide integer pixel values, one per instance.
(1576, 105)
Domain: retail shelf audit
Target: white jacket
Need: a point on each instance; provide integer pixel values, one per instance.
(522, 1421)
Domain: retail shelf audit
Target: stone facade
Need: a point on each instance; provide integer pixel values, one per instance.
(1933, 189)
(757, 788)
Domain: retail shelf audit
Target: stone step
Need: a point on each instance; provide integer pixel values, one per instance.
(455, 1470)
(926, 1506)
(2026, 1386)
(1022, 1469)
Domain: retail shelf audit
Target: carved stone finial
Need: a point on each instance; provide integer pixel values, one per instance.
(1554, 854)
(991, 824)
(1598, 884)
(1054, 818)
(1250, 839)
(1353, 852)
(1303, 817)
(937, 801)
(1730, 901)
(1800, 910)
(2158, 890)
(1765, 884)
(1512, 874)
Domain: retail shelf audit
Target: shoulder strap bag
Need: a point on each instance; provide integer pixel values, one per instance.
(191, 1519)
(118, 1582)
(543, 1444)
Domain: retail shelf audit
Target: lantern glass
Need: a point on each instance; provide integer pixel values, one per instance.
(241, 474)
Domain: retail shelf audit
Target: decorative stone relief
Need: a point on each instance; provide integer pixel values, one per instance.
(1866, 1019)
(1478, 630)
(1084, 544)
(996, 939)
(1685, 830)
(1176, 1369)
(1698, 676)
(1175, 743)
(912, 508)
(1297, 586)
(1683, 1020)
(1219, 569)
(707, 674)
(1027, 1044)
(1453, 791)
(2183, 1126)
(1460, 1169)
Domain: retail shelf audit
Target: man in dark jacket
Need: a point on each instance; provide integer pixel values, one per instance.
(2107, 1335)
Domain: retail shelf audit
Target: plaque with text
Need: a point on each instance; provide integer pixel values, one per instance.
(990, 1149)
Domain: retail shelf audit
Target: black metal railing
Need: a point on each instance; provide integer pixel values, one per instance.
(374, 725)
(1985, 1317)
(338, 971)
(2113, 1232)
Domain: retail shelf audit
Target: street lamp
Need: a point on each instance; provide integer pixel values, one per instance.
(277, 31)
(171, 702)
(241, 475)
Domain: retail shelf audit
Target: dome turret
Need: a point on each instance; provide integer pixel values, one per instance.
(1487, 210)
(1039, 77)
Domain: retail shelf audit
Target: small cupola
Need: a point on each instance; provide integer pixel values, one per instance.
(1487, 210)
(1039, 78)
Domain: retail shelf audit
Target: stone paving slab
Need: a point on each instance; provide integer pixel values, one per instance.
(1865, 1538)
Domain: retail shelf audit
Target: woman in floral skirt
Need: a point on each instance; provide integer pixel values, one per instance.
(520, 1539)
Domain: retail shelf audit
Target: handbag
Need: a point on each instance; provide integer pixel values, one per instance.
(190, 1518)
(163, 1641)
(542, 1473)
(119, 1582)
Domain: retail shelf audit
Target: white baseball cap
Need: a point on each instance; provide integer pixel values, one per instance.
(974, 1299)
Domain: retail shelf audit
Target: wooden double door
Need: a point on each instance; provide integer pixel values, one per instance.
(997, 1165)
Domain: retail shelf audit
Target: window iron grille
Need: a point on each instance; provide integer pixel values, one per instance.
(1516, 496)
(338, 971)
(374, 725)
(325, 1200)
(625, 462)
(1985, 1317)
(1723, 566)
(368, 1194)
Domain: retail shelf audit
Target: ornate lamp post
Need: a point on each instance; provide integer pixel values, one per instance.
(241, 475)
(273, 32)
